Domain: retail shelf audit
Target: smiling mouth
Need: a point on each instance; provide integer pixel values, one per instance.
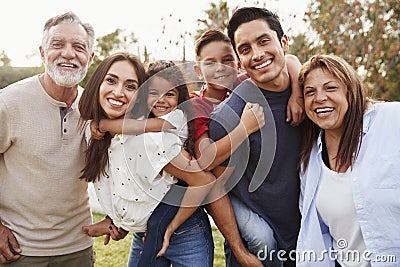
(222, 77)
(323, 110)
(115, 102)
(160, 109)
(67, 65)
(265, 64)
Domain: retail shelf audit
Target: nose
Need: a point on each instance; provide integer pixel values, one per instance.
(258, 53)
(220, 67)
(321, 96)
(118, 91)
(161, 99)
(68, 51)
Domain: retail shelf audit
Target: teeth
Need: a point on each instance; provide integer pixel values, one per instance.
(160, 108)
(266, 63)
(115, 102)
(221, 77)
(67, 65)
(322, 110)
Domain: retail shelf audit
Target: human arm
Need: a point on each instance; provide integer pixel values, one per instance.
(107, 228)
(295, 109)
(8, 241)
(95, 132)
(210, 154)
(199, 184)
(133, 126)
(9, 247)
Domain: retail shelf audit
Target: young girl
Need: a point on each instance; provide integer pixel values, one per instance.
(132, 173)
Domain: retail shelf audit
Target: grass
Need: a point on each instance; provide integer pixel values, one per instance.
(115, 254)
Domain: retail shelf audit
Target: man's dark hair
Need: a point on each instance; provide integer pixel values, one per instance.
(247, 14)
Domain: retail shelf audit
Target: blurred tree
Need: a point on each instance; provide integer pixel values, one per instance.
(146, 55)
(9, 75)
(4, 59)
(365, 33)
(217, 17)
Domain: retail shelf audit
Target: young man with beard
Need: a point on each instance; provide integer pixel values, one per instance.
(43, 203)
(263, 174)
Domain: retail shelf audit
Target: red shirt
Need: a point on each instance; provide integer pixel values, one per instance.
(202, 108)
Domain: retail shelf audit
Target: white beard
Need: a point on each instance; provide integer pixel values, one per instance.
(66, 78)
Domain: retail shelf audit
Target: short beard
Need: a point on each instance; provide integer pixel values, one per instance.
(66, 78)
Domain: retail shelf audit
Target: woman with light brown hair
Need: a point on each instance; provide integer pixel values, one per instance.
(350, 173)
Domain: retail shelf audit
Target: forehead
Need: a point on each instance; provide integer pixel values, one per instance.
(124, 70)
(318, 72)
(69, 31)
(250, 31)
(161, 84)
(319, 77)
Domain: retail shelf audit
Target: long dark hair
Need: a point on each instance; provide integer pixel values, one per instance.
(169, 71)
(96, 156)
(350, 141)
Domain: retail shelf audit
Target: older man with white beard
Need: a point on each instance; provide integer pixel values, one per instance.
(43, 203)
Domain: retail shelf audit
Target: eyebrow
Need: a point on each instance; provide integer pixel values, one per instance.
(328, 82)
(129, 80)
(257, 38)
(324, 84)
(63, 39)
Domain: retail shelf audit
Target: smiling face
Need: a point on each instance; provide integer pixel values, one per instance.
(218, 65)
(66, 54)
(119, 88)
(162, 96)
(325, 100)
(261, 53)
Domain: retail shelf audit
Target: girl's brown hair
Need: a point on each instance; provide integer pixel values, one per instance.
(353, 120)
(96, 157)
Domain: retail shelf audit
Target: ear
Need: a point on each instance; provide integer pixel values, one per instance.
(41, 51)
(91, 59)
(239, 66)
(285, 43)
(198, 72)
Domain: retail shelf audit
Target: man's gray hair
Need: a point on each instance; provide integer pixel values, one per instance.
(68, 17)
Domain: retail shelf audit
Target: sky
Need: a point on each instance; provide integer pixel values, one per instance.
(21, 23)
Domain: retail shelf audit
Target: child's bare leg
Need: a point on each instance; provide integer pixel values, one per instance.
(222, 212)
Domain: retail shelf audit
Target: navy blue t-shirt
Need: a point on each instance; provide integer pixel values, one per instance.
(266, 165)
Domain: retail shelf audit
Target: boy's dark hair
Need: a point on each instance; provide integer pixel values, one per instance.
(247, 14)
(207, 37)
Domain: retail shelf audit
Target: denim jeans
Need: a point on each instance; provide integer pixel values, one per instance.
(191, 245)
(257, 235)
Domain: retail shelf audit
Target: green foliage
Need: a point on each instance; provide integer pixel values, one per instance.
(217, 17)
(9, 75)
(365, 33)
(116, 253)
